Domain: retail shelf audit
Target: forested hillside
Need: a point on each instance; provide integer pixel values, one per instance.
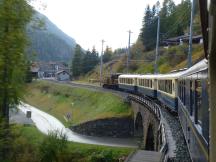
(48, 42)
(174, 21)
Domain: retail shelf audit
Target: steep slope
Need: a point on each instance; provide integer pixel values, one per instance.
(49, 43)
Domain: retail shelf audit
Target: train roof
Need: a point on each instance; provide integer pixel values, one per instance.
(202, 65)
(170, 75)
(128, 76)
(145, 76)
(148, 76)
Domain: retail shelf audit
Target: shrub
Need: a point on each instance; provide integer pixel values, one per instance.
(53, 147)
(104, 156)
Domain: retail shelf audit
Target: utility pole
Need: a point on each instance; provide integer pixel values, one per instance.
(128, 57)
(191, 35)
(101, 63)
(157, 45)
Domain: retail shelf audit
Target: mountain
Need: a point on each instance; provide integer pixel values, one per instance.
(48, 42)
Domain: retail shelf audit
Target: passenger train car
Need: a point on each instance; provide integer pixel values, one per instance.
(167, 91)
(186, 93)
(128, 83)
(147, 85)
(193, 110)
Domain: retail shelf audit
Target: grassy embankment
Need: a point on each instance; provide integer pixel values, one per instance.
(29, 140)
(83, 104)
(173, 58)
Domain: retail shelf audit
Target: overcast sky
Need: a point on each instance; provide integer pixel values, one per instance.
(90, 21)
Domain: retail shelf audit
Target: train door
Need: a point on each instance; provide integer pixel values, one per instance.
(191, 104)
(205, 106)
(135, 84)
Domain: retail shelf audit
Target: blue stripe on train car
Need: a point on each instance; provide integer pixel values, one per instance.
(147, 92)
(171, 102)
(130, 88)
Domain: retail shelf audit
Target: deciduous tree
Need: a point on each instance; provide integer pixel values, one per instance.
(14, 15)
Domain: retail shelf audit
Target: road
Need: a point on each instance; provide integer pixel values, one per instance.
(47, 123)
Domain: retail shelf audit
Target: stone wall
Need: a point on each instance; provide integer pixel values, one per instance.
(111, 127)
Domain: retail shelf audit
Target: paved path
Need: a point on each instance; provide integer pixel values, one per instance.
(145, 156)
(19, 117)
(46, 123)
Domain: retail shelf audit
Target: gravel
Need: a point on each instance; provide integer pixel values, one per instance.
(182, 153)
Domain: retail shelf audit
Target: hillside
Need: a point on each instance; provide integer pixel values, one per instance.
(48, 43)
(173, 58)
(84, 105)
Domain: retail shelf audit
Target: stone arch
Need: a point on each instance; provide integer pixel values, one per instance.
(150, 142)
(139, 125)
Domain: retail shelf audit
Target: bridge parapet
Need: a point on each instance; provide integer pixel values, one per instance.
(151, 116)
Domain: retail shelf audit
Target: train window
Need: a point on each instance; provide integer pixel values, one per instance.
(198, 98)
(165, 85)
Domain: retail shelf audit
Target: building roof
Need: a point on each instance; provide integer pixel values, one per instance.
(184, 38)
(61, 71)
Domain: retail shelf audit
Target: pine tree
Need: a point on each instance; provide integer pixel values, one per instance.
(77, 62)
(107, 54)
(149, 28)
(14, 15)
(86, 64)
(94, 57)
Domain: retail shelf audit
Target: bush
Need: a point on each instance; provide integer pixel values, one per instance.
(104, 156)
(53, 147)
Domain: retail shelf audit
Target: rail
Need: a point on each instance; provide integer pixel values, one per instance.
(155, 109)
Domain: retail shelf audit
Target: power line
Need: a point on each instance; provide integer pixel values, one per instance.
(191, 34)
(128, 57)
(157, 44)
(101, 63)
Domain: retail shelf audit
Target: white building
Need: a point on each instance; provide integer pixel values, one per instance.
(62, 75)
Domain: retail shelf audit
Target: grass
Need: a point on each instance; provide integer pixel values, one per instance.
(31, 139)
(82, 104)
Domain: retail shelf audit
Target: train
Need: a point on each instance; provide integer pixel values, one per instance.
(183, 92)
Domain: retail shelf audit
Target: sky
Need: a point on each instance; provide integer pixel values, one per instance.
(91, 21)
